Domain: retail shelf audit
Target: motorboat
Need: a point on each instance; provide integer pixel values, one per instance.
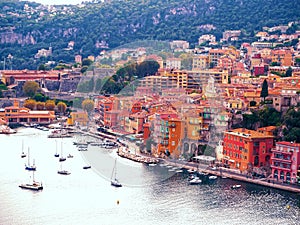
(82, 148)
(86, 167)
(70, 156)
(236, 186)
(212, 177)
(196, 180)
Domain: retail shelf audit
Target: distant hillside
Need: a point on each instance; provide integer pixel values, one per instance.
(95, 26)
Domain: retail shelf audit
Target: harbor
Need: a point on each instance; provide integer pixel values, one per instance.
(125, 152)
(144, 188)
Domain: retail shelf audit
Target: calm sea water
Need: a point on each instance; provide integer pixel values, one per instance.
(150, 195)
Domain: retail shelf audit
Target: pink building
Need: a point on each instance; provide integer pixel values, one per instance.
(285, 161)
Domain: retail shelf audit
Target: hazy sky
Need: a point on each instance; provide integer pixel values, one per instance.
(58, 2)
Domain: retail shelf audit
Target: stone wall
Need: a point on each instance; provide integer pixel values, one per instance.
(52, 85)
(69, 85)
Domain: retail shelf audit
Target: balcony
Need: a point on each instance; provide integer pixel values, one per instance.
(282, 151)
(280, 168)
(285, 160)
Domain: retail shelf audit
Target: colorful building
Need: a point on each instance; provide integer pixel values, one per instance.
(17, 115)
(78, 119)
(285, 161)
(244, 148)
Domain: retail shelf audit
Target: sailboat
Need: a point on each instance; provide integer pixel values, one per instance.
(63, 172)
(61, 158)
(28, 166)
(35, 186)
(23, 155)
(114, 181)
(56, 154)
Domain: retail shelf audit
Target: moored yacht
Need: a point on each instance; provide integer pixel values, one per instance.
(35, 186)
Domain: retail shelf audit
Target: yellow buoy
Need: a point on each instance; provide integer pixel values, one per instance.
(288, 206)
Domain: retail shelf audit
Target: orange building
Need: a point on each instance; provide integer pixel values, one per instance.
(244, 148)
(170, 136)
(104, 104)
(282, 56)
(18, 115)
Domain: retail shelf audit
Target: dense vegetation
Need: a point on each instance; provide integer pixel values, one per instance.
(124, 77)
(98, 25)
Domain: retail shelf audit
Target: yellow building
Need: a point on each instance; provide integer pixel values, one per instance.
(78, 118)
(200, 62)
(193, 123)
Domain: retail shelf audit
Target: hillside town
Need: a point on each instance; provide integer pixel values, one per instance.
(186, 113)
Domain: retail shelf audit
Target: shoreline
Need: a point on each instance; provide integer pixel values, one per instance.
(220, 172)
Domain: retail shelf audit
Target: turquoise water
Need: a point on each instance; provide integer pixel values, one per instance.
(150, 195)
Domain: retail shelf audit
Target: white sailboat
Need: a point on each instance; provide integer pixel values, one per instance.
(56, 154)
(62, 171)
(114, 181)
(23, 155)
(28, 166)
(34, 185)
(61, 158)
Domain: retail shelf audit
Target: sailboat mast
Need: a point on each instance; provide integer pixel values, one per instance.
(116, 169)
(33, 176)
(28, 157)
(61, 148)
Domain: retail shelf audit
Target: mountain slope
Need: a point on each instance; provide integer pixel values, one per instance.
(118, 22)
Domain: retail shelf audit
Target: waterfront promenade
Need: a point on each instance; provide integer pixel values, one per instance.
(220, 171)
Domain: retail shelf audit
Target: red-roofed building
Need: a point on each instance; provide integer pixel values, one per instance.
(11, 76)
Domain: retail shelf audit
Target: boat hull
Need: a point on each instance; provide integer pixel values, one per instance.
(31, 187)
(116, 184)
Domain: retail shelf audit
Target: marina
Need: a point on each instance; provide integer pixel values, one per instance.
(152, 187)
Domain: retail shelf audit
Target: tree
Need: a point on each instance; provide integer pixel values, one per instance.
(40, 97)
(61, 107)
(30, 104)
(289, 72)
(40, 105)
(87, 62)
(264, 90)
(88, 105)
(42, 67)
(50, 105)
(30, 88)
(291, 122)
(269, 117)
(146, 68)
(297, 62)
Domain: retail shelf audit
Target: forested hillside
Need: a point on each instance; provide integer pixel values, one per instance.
(27, 27)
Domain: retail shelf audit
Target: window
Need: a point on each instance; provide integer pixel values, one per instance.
(173, 143)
